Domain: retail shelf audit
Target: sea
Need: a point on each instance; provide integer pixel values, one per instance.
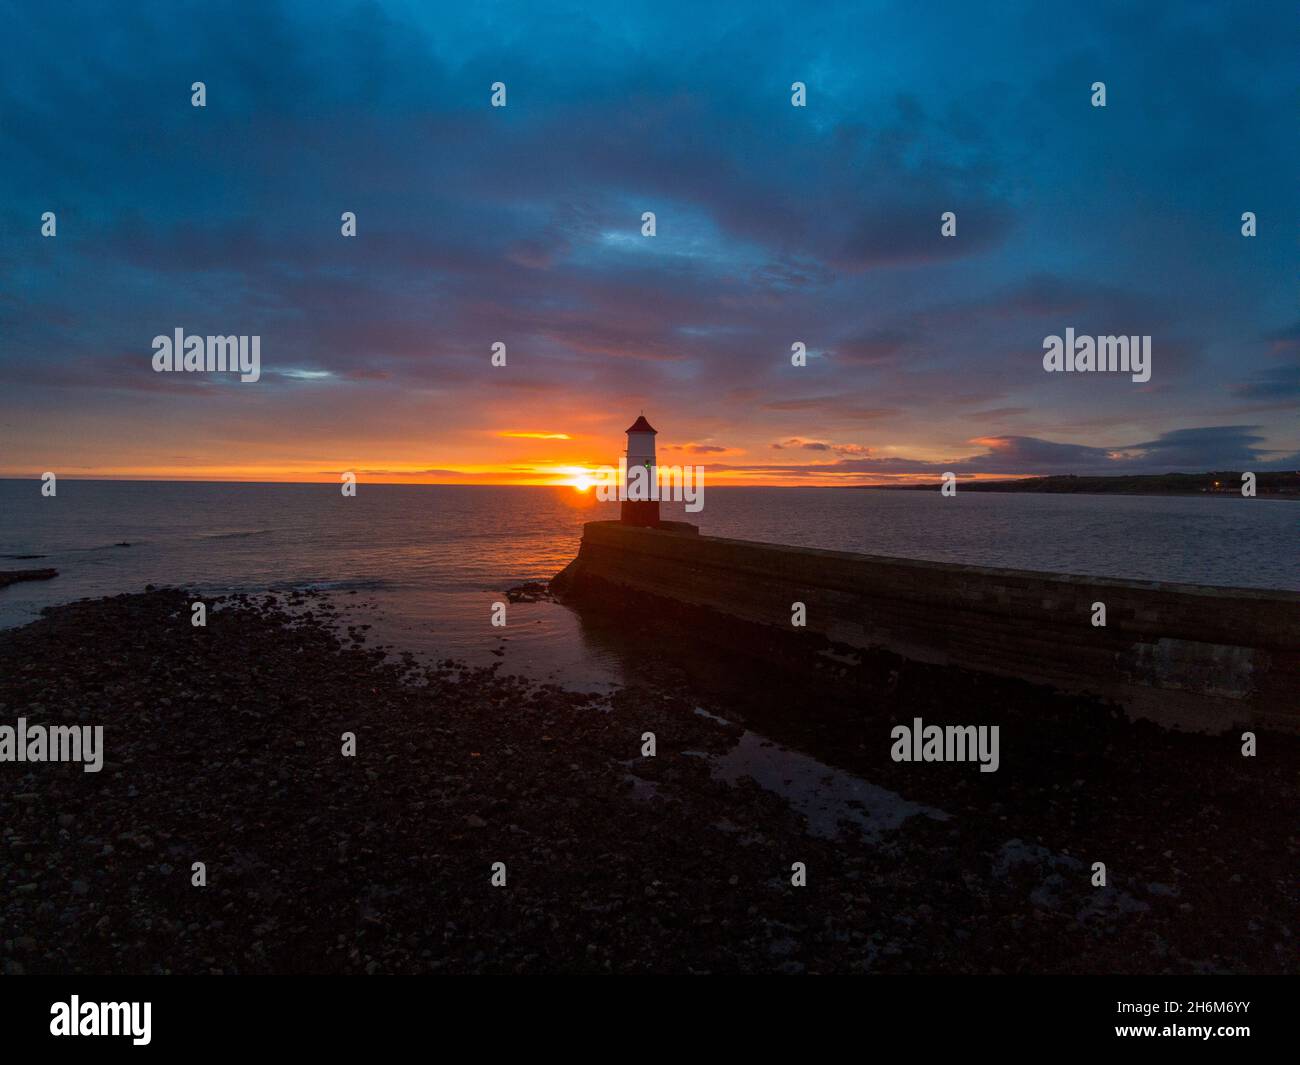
(423, 564)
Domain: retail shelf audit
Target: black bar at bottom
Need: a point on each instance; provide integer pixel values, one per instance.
(351, 1014)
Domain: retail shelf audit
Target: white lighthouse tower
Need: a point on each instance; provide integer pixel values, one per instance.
(641, 495)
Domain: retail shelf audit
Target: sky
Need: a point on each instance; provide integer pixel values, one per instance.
(522, 224)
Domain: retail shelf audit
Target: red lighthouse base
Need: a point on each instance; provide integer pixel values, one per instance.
(640, 512)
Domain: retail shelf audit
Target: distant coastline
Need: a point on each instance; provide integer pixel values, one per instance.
(1222, 483)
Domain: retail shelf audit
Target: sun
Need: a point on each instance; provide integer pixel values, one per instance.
(579, 478)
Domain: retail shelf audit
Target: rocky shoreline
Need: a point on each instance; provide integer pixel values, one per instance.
(13, 576)
(223, 745)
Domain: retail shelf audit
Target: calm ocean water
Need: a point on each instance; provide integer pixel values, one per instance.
(426, 562)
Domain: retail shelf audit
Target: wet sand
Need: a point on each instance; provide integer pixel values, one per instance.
(223, 745)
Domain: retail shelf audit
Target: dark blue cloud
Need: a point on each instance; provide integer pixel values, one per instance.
(1234, 447)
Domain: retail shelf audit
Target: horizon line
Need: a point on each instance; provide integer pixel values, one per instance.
(919, 480)
(398, 484)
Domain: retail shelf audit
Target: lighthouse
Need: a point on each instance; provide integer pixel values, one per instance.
(640, 494)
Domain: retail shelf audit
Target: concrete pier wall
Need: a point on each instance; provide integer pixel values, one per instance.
(1197, 657)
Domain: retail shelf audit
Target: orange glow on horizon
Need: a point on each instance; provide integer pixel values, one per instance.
(538, 457)
(523, 473)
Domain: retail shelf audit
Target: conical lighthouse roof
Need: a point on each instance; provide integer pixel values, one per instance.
(641, 426)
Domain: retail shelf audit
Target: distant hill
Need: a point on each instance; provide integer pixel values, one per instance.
(1223, 482)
